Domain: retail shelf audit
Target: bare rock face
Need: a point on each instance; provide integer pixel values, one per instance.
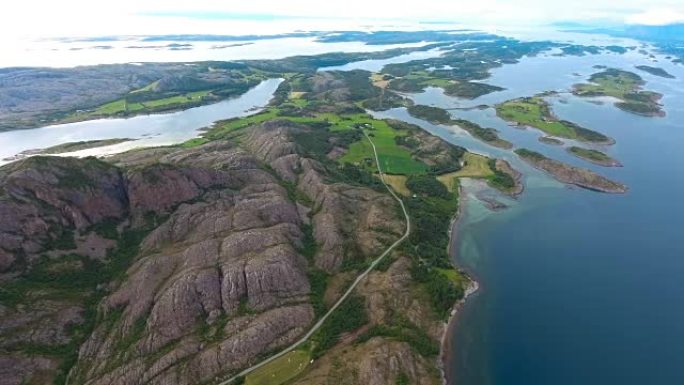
(26, 370)
(350, 222)
(218, 283)
(389, 295)
(376, 362)
(42, 196)
(217, 279)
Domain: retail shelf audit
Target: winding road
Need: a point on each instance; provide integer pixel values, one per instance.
(351, 288)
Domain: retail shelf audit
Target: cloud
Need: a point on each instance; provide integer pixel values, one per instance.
(661, 16)
(31, 18)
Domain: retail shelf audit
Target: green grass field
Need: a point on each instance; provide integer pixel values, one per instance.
(589, 154)
(394, 159)
(148, 87)
(111, 108)
(625, 86)
(280, 370)
(190, 97)
(120, 106)
(610, 83)
(454, 276)
(534, 112)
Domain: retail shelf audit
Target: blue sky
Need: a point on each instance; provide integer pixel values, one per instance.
(88, 18)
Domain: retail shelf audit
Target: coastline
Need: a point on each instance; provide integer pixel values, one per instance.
(473, 287)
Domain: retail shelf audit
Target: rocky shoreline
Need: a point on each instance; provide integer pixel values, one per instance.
(445, 353)
(571, 175)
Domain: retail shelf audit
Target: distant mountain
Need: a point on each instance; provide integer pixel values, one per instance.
(654, 33)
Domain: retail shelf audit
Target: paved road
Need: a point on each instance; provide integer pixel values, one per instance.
(349, 290)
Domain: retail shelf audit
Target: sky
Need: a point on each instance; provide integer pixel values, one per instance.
(46, 18)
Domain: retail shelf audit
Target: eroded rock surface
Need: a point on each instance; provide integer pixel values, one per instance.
(217, 281)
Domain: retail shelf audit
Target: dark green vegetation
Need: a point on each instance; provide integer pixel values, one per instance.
(401, 329)
(593, 156)
(402, 151)
(209, 82)
(56, 95)
(470, 90)
(310, 64)
(427, 186)
(431, 215)
(656, 71)
(39, 96)
(666, 38)
(500, 180)
(431, 114)
(550, 140)
(623, 85)
(460, 67)
(417, 82)
(486, 134)
(78, 279)
(535, 112)
(350, 315)
(440, 116)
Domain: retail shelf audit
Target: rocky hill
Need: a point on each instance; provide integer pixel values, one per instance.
(175, 265)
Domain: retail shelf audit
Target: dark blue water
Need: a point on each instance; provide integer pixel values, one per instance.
(578, 287)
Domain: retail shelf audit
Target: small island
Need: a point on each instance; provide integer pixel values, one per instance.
(656, 71)
(68, 147)
(438, 115)
(625, 86)
(486, 134)
(550, 140)
(594, 156)
(433, 115)
(535, 112)
(571, 175)
(470, 90)
(419, 80)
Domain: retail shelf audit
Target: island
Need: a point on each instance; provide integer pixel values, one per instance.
(571, 175)
(550, 140)
(438, 115)
(656, 71)
(594, 156)
(486, 134)
(625, 86)
(535, 112)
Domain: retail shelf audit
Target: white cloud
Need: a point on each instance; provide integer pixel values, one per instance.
(87, 17)
(662, 16)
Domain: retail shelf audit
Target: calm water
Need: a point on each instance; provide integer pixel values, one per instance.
(577, 287)
(70, 54)
(375, 65)
(149, 130)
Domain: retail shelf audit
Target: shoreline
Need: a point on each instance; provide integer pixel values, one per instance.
(445, 351)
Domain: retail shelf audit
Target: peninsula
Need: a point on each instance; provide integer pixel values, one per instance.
(624, 86)
(535, 112)
(571, 175)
